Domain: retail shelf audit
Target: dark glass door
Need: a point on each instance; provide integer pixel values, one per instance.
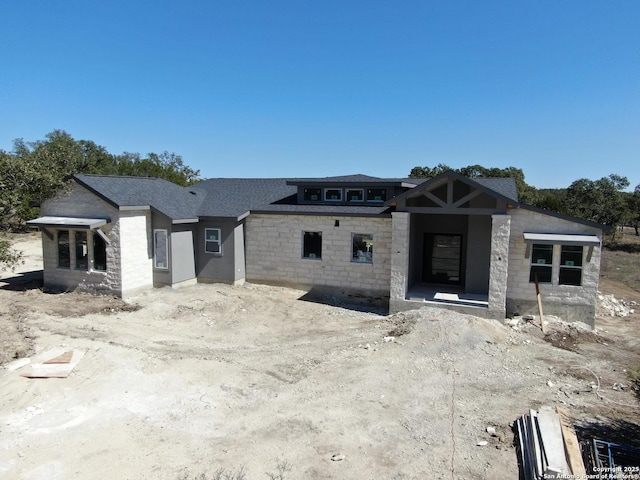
(442, 257)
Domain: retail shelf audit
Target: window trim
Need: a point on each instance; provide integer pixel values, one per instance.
(219, 241)
(164, 232)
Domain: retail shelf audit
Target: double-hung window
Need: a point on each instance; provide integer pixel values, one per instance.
(213, 240)
(570, 265)
(541, 263)
(82, 250)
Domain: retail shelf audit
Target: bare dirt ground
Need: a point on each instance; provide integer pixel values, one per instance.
(179, 383)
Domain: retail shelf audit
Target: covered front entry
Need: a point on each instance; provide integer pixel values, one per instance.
(450, 247)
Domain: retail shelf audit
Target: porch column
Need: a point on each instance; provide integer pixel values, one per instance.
(498, 270)
(400, 226)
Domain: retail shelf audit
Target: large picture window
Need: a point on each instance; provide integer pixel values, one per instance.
(160, 249)
(570, 265)
(213, 240)
(312, 245)
(64, 251)
(541, 263)
(362, 248)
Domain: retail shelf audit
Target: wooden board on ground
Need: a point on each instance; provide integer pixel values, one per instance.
(51, 363)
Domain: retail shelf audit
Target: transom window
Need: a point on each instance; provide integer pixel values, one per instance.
(213, 240)
(312, 245)
(355, 195)
(376, 194)
(312, 194)
(333, 194)
(362, 248)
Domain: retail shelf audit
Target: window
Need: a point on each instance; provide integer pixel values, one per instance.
(82, 250)
(64, 252)
(160, 249)
(212, 240)
(362, 248)
(376, 194)
(333, 194)
(541, 263)
(312, 194)
(312, 245)
(99, 253)
(355, 195)
(570, 265)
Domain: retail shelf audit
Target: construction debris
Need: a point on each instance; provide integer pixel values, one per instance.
(548, 446)
(608, 305)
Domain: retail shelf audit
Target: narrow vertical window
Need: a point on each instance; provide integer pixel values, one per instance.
(362, 248)
(160, 249)
(82, 250)
(312, 245)
(64, 254)
(212, 240)
(99, 253)
(571, 265)
(541, 263)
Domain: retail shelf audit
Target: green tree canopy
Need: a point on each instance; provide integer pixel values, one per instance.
(35, 171)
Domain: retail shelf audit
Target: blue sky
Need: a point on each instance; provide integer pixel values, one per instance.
(304, 88)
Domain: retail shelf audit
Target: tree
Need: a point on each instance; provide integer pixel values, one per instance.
(601, 201)
(526, 193)
(36, 171)
(633, 209)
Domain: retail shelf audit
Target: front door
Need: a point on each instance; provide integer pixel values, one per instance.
(442, 259)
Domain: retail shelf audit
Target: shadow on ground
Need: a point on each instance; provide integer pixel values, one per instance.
(23, 281)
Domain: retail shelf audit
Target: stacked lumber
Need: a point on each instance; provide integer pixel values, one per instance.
(548, 445)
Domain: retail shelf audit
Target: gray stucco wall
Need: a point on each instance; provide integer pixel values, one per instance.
(274, 253)
(572, 303)
(227, 267)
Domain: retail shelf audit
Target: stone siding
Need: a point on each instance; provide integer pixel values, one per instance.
(572, 303)
(274, 253)
(79, 202)
(136, 261)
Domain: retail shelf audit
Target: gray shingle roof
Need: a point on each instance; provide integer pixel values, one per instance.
(504, 186)
(172, 200)
(232, 197)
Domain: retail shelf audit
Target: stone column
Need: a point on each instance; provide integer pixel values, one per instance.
(498, 270)
(400, 226)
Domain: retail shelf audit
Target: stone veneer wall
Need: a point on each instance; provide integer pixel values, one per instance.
(136, 252)
(572, 303)
(79, 202)
(274, 253)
